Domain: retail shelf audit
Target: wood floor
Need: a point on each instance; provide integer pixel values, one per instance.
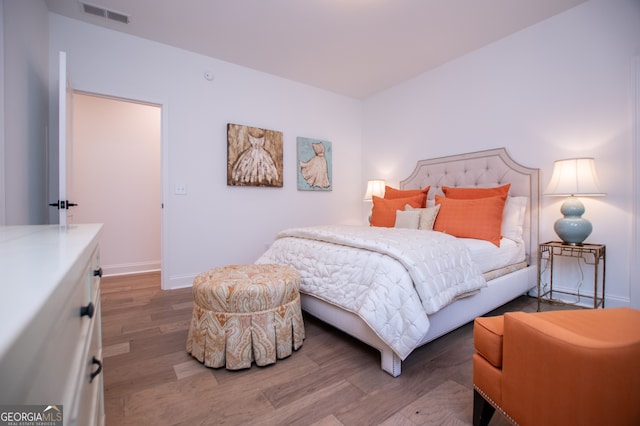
(332, 380)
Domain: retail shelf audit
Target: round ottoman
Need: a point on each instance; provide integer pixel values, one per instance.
(245, 313)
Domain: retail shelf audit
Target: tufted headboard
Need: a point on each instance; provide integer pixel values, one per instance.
(484, 169)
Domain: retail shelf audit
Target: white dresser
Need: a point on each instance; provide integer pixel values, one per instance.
(50, 336)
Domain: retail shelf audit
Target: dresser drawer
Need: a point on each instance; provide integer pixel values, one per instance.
(59, 363)
(88, 409)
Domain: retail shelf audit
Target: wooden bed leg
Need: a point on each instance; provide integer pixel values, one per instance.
(390, 362)
(482, 410)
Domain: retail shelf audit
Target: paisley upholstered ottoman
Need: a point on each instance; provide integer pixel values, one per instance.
(245, 313)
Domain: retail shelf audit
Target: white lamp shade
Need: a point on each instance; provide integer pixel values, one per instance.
(374, 187)
(574, 176)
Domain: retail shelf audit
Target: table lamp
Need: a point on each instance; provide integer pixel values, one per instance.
(374, 187)
(571, 177)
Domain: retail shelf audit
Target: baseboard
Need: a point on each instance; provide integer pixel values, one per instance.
(179, 281)
(130, 268)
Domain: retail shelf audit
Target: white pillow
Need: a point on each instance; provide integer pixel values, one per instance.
(427, 216)
(513, 218)
(407, 219)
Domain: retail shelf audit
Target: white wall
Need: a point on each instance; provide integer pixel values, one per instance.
(634, 253)
(559, 89)
(23, 150)
(116, 179)
(215, 224)
(3, 210)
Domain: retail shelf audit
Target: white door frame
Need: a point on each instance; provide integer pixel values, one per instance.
(164, 167)
(634, 269)
(3, 214)
(65, 142)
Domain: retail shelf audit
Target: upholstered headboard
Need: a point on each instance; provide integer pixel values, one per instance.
(484, 169)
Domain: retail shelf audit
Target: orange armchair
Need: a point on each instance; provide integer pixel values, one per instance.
(576, 367)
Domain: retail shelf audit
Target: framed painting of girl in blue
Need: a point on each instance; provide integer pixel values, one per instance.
(314, 165)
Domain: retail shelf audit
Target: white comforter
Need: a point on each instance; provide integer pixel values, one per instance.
(389, 277)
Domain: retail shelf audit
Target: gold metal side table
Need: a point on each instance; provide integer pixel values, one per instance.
(591, 254)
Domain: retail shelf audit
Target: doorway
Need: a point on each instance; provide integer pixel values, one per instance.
(117, 179)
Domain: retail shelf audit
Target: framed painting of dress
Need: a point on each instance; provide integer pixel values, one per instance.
(314, 165)
(254, 156)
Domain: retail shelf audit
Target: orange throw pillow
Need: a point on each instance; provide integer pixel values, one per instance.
(472, 193)
(393, 193)
(384, 210)
(479, 218)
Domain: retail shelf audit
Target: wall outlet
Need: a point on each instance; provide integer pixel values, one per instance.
(180, 189)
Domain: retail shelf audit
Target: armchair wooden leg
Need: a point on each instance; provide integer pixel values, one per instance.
(482, 410)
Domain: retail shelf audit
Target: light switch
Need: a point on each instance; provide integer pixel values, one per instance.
(181, 189)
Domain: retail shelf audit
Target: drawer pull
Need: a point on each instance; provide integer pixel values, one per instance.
(97, 272)
(98, 371)
(87, 310)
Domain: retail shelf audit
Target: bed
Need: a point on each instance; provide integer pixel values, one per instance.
(379, 298)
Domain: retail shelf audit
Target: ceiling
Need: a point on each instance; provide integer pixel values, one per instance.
(350, 47)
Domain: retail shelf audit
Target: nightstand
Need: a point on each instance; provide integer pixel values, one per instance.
(590, 254)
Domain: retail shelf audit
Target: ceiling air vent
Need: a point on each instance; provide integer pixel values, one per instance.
(119, 17)
(94, 10)
(105, 13)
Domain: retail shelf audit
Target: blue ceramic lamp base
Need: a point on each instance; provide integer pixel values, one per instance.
(573, 229)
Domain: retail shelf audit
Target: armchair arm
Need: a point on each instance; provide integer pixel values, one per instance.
(572, 367)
